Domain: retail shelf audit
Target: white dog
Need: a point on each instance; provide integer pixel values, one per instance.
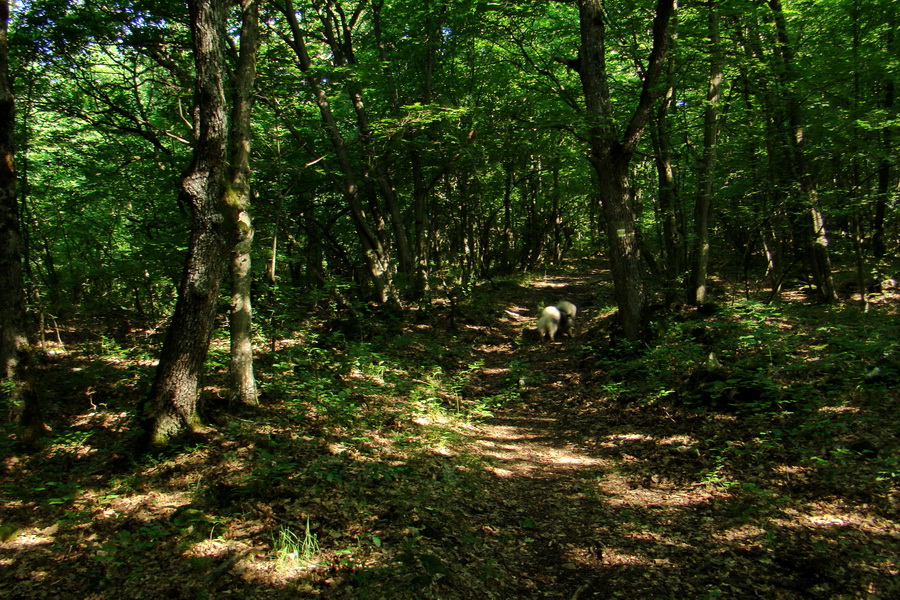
(557, 320)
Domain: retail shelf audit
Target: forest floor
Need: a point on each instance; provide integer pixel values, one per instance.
(452, 454)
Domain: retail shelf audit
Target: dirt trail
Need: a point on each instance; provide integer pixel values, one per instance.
(544, 503)
(599, 495)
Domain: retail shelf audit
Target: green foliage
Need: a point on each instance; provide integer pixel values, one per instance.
(439, 391)
(469, 114)
(291, 548)
(378, 459)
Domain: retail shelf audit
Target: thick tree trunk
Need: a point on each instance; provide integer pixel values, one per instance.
(15, 352)
(610, 153)
(172, 403)
(243, 381)
(697, 291)
(12, 297)
(623, 239)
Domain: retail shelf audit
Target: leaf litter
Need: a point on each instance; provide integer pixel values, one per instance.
(476, 462)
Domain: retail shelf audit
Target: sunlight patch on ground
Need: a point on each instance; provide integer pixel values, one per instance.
(677, 440)
(208, 548)
(631, 437)
(144, 506)
(522, 451)
(749, 534)
(828, 515)
(618, 558)
(619, 491)
(29, 539)
(128, 363)
(791, 469)
(504, 473)
(495, 348)
(432, 418)
(840, 409)
(725, 418)
(336, 448)
(495, 371)
(515, 312)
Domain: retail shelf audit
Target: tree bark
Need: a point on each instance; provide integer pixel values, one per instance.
(610, 153)
(12, 297)
(420, 198)
(697, 291)
(243, 381)
(15, 351)
(172, 403)
(668, 193)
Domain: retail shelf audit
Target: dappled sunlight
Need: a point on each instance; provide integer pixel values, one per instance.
(833, 515)
(619, 490)
(840, 409)
(515, 312)
(790, 470)
(147, 506)
(747, 535)
(495, 371)
(618, 558)
(30, 538)
(477, 459)
(527, 447)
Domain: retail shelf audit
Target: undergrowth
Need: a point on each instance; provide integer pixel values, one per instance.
(362, 473)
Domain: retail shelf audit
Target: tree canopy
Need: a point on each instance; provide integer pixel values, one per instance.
(399, 143)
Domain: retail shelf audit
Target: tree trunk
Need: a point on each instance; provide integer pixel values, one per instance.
(12, 297)
(172, 403)
(697, 292)
(558, 249)
(374, 253)
(420, 198)
(243, 381)
(816, 232)
(668, 194)
(15, 353)
(611, 154)
(884, 167)
(624, 243)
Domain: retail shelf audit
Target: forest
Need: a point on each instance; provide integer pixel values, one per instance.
(449, 299)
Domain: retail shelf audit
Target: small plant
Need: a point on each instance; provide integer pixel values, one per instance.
(291, 548)
(888, 469)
